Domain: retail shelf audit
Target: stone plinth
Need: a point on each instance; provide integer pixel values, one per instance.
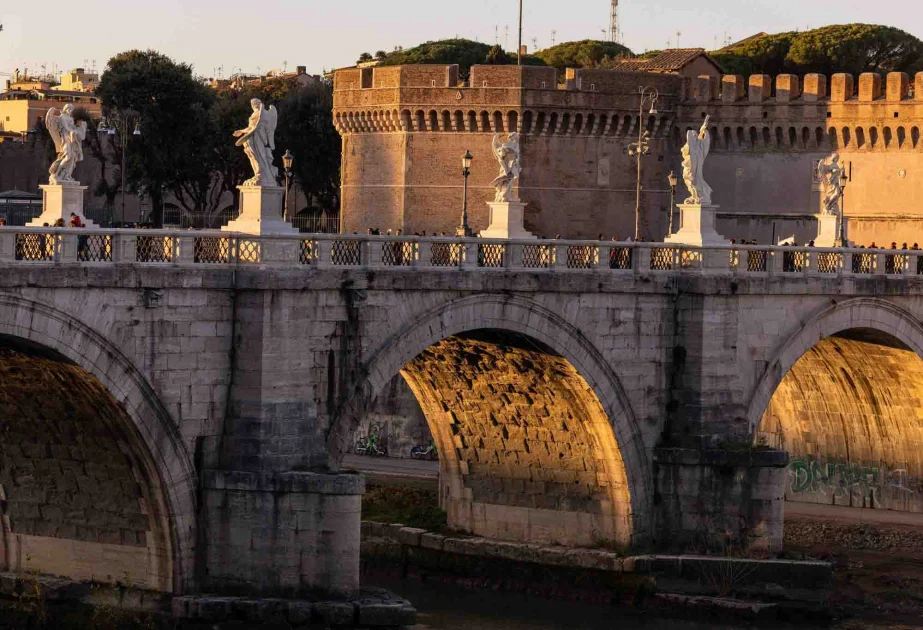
(827, 230)
(58, 201)
(287, 534)
(719, 499)
(261, 212)
(506, 220)
(697, 226)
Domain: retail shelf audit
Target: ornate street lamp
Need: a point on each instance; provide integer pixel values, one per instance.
(844, 179)
(287, 160)
(118, 123)
(642, 146)
(673, 182)
(464, 229)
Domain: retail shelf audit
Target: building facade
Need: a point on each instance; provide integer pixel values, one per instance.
(405, 129)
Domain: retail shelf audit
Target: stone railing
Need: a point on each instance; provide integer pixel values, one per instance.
(31, 246)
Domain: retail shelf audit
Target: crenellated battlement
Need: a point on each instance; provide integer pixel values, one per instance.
(786, 112)
(787, 89)
(529, 99)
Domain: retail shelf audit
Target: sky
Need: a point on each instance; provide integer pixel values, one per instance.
(224, 36)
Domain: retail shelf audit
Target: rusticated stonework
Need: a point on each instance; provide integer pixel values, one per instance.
(529, 437)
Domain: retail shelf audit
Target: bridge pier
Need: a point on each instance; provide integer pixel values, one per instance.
(289, 533)
(719, 500)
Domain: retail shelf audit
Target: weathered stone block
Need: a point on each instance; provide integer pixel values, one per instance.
(732, 88)
(299, 611)
(869, 86)
(336, 613)
(842, 87)
(788, 88)
(898, 87)
(760, 87)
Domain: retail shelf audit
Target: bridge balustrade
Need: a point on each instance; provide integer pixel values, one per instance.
(20, 245)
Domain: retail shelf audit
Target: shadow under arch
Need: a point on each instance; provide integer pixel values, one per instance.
(844, 396)
(524, 317)
(153, 439)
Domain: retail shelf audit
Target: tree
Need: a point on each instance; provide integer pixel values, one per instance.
(173, 152)
(463, 52)
(365, 57)
(305, 127)
(496, 56)
(856, 48)
(583, 54)
(380, 55)
(850, 48)
(762, 55)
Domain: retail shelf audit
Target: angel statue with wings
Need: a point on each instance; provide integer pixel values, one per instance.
(694, 154)
(507, 153)
(68, 137)
(828, 174)
(258, 141)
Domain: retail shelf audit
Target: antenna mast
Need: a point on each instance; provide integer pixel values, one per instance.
(614, 22)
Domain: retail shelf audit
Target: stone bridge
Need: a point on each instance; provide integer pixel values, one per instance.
(175, 406)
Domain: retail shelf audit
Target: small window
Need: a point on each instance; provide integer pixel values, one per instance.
(897, 114)
(484, 84)
(544, 84)
(592, 87)
(434, 82)
(829, 114)
(765, 114)
(704, 114)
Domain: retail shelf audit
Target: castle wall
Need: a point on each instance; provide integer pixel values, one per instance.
(767, 135)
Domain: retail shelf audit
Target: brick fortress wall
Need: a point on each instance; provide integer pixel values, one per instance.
(405, 128)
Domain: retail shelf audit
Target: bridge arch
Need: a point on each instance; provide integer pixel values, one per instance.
(512, 332)
(133, 434)
(844, 396)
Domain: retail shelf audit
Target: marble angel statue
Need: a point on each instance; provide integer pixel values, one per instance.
(694, 154)
(68, 137)
(258, 141)
(507, 153)
(828, 174)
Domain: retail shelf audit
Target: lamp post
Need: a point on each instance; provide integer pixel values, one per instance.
(844, 179)
(464, 229)
(642, 147)
(673, 182)
(519, 50)
(118, 122)
(287, 160)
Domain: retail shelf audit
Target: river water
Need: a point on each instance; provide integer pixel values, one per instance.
(448, 607)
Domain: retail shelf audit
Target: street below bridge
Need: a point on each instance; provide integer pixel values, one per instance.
(393, 469)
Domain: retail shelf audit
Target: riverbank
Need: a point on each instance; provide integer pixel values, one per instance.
(876, 579)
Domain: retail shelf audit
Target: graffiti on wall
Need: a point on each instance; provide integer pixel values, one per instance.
(836, 480)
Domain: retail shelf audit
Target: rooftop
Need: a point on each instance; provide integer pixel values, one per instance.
(671, 60)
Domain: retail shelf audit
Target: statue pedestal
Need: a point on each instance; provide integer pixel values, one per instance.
(828, 230)
(697, 226)
(58, 201)
(506, 219)
(261, 212)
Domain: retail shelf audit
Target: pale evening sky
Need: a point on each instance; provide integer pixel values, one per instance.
(261, 34)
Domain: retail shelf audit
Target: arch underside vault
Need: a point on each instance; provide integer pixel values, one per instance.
(850, 414)
(526, 450)
(76, 496)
